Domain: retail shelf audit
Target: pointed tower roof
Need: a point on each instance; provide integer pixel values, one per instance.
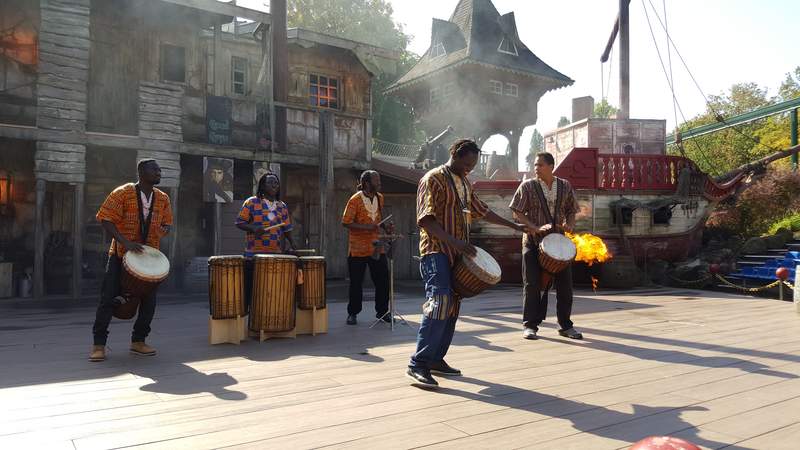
(476, 33)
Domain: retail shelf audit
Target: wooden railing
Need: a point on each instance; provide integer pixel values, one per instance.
(640, 172)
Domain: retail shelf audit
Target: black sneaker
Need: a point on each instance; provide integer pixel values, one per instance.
(442, 368)
(351, 319)
(421, 378)
(571, 333)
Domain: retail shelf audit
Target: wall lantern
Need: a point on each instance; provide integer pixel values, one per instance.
(6, 185)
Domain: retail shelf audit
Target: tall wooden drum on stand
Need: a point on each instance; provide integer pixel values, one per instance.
(272, 312)
(140, 276)
(226, 299)
(312, 313)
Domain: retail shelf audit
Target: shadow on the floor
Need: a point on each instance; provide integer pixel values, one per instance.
(585, 417)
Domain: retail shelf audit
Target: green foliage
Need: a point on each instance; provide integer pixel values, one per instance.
(367, 21)
(562, 122)
(791, 222)
(723, 151)
(604, 110)
(760, 205)
(536, 146)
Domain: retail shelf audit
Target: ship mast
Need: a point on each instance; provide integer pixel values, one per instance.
(621, 26)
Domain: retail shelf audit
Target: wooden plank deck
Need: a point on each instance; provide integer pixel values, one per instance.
(721, 371)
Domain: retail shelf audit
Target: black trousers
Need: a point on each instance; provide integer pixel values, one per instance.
(105, 310)
(535, 303)
(379, 272)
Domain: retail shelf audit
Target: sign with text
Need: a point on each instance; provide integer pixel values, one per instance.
(218, 120)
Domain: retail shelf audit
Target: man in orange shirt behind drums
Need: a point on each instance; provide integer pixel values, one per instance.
(363, 213)
(134, 215)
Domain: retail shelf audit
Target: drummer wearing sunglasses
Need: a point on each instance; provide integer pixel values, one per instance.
(446, 204)
(546, 204)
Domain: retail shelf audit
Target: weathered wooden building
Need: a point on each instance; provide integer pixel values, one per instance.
(88, 87)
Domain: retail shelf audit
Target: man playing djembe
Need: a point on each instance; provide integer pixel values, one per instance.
(546, 204)
(446, 203)
(134, 215)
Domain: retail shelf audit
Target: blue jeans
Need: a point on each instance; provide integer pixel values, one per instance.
(439, 313)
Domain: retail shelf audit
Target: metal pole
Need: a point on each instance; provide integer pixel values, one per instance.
(793, 116)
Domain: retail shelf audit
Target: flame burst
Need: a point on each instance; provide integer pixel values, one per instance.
(591, 249)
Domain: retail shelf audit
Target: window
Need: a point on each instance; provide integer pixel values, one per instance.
(173, 63)
(511, 90)
(436, 95)
(324, 91)
(661, 216)
(627, 216)
(239, 75)
(507, 46)
(437, 49)
(449, 89)
(496, 87)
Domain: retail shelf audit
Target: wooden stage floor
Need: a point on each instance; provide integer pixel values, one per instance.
(720, 370)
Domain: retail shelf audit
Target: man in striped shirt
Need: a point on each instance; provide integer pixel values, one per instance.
(446, 204)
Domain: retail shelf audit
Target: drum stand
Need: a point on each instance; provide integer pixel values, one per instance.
(392, 312)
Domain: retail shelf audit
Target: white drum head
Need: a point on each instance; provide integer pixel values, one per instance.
(487, 263)
(559, 247)
(149, 264)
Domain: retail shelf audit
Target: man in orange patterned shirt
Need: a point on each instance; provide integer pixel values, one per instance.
(361, 217)
(134, 215)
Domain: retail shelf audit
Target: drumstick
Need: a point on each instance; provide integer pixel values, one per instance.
(275, 226)
(384, 220)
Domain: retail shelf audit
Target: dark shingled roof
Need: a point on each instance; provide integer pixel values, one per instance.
(473, 34)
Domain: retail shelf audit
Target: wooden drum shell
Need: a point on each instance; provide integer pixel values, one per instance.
(312, 291)
(226, 287)
(274, 285)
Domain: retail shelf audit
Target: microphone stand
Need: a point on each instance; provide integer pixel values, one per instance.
(388, 244)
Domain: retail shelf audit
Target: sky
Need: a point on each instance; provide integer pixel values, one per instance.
(723, 42)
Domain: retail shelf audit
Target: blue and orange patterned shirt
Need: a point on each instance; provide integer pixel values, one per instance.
(265, 213)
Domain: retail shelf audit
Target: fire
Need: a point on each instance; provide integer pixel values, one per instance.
(594, 284)
(591, 249)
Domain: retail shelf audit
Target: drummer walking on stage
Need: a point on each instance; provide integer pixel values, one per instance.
(446, 204)
(546, 204)
(134, 215)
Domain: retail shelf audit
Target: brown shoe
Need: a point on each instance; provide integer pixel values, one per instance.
(142, 349)
(98, 353)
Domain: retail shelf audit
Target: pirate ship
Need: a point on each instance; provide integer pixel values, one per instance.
(644, 203)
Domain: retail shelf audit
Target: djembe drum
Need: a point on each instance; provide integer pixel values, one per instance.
(141, 274)
(274, 283)
(556, 253)
(474, 274)
(312, 291)
(226, 288)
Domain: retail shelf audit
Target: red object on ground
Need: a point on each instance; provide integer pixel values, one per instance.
(714, 269)
(782, 273)
(663, 443)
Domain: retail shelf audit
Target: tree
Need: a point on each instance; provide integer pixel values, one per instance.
(562, 122)
(536, 146)
(604, 110)
(366, 21)
(722, 151)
